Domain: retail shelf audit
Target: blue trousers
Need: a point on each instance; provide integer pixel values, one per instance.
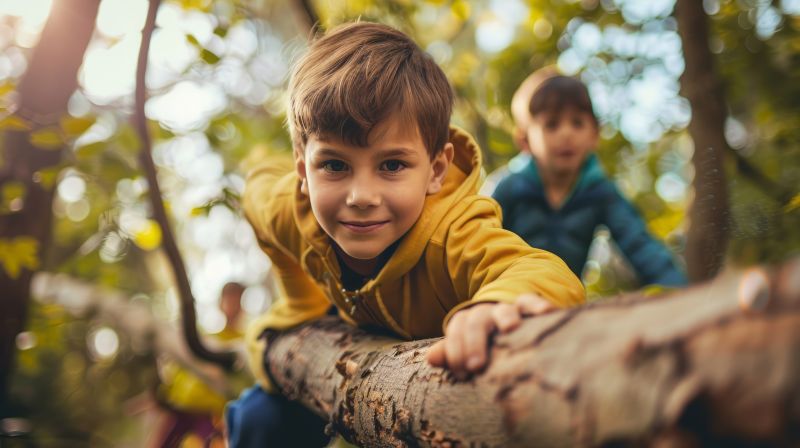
(258, 420)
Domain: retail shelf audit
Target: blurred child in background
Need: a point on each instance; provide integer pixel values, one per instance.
(555, 194)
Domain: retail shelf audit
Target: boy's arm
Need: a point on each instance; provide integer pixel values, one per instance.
(651, 260)
(490, 264)
(269, 211)
(504, 279)
(299, 300)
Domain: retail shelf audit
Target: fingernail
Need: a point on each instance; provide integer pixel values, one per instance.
(474, 363)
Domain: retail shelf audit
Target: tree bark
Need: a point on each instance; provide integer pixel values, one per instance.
(709, 213)
(44, 91)
(715, 365)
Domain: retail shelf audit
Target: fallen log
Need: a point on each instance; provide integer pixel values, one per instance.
(717, 364)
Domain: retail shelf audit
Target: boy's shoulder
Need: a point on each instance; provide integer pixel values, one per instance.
(471, 211)
(269, 203)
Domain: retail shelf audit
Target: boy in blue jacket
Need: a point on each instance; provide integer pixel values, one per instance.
(555, 198)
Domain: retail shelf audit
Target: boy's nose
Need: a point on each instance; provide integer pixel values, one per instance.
(363, 195)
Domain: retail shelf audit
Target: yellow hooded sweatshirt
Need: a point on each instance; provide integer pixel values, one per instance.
(455, 255)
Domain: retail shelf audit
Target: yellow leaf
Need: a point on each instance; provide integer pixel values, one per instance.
(202, 5)
(90, 151)
(7, 87)
(46, 177)
(12, 194)
(793, 204)
(75, 126)
(14, 123)
(13, 190)
(19, 253)
(47, 138)
(461, 9)
(149, 236)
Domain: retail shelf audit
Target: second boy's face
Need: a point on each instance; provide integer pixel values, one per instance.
(365, 199)
(560, 142)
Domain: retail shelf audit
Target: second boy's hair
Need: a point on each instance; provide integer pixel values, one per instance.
(360, 74)
(560, 92)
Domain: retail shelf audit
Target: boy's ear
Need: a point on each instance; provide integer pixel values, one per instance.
(439, 167)
(300, 167)
(521, 140)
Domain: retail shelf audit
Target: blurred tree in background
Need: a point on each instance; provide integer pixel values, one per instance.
(216, 78)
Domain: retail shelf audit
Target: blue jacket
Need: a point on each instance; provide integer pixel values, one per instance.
(568, 231)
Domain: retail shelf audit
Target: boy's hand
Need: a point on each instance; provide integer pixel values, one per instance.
(465, 346)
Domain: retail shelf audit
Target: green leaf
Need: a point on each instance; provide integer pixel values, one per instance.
(221, 30)
(47, 138)
(209, 57)
(19, 253)
(193, 41)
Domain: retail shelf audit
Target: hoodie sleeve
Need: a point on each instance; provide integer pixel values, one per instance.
(268, 208)
(650, 259)
(489, 264)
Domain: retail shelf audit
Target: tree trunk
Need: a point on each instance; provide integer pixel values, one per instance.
(44, 91)
(718, 364)
(708, 232)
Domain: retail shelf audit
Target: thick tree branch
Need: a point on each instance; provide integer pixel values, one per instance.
(189, 318)
(708, 366)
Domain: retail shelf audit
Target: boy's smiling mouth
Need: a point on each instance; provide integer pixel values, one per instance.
(363, 226)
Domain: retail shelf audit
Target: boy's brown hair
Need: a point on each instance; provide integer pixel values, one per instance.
(360, 74)
(560, 92)
(546, 90)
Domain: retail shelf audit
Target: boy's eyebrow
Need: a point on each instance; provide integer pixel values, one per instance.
(381, 153)
(395, 152)
(327, 152)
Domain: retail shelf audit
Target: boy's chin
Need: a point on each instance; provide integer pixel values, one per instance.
(362, 253)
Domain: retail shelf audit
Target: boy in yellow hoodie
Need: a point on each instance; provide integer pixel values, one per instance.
(382, 219)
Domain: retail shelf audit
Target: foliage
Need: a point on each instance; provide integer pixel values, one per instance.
(74, 396)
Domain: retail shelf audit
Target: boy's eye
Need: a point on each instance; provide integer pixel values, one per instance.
(551, 124)
(392, 165)
(578, 122)
(334, 166)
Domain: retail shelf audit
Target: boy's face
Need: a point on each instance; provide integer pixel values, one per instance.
(560, 142)
(366, 198)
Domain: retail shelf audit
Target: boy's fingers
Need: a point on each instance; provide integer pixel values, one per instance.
(506, 317)
(532, 304)
(453, 343)
(479, 325)
(435, 354)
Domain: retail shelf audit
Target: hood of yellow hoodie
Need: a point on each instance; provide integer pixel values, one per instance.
(463, 179)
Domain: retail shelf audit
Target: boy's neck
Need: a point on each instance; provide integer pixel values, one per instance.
(557, 186)
(366, 268)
